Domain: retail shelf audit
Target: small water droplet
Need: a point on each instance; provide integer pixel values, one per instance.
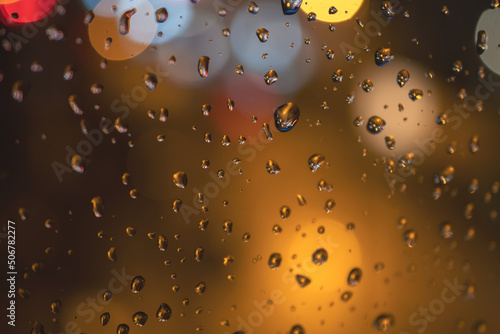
(203, 63)
(403, 77)
(383, 56)
(354, 277)
(262, 34)
(320, 256)
(180, 179)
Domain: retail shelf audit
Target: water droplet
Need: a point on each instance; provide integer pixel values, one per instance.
(222, 12)
(415, 94)
(330, 54)
(290, 7)
(180, 179)
(390, 142)
(150, 81)
(296, 329)
(445, 176)
(345, 296)
(203, 66)
(112, 254)
(375, 125)
(246, 237)
(107, 295)
(200, 288)
(320, 256)
(239, 70)
(367, 85)
(161, 15)
(267, 131)
(316, 161)
(274, 260)
(311, 17)
(162, 243)
(384, 322)
(445, 230)
(271, 77)
(104, 318)
(302, 280)
(354, 277)
(329, 205)
(227, 226)
(164, 312)
(74, 103)
(77, 163)
(481, 42)
(337, 76)
(286, 116)
(410, 238)
(383, 56)
(55, 306)
(226, 32)
(387, 9)
(37, 328)
(262, 34)
(253, 7)
(457, 66)
(302, 201)
(140, 318)
(403, 77)
(332, 10)
(285, 212)
(124, 24)
(97, 206)
(137, 284)
(89, 17)
(198, 254)
(272, 167)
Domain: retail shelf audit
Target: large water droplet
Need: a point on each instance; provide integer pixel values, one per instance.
(415, 94)
(383, 56)
(481, 42)
(375, 125)
(124, 24)
(122, 329)
(164, 312)
(286, 116)
(271, 77)
(320, 256)
(140, 318)
(161, 15)
(104, 318)
(137, 284)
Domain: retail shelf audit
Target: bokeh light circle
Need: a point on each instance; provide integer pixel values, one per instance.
(346, 9)
(24, 11)
(490, 23)
(409, 127)
(105, 25)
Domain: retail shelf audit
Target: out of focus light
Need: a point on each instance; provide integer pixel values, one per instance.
(282, 48)
(24, 11)
(490, 23)
(345, 9)
(105, 26)
(409, 122)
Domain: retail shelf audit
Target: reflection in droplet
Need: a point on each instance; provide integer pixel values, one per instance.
(316, 161)
(163, 313)
(302, 280)
(286, 116)
(262, 34)
(290, 7)
(320, 256)
(271, 77)
(354, 277)
(383, 56)
(203, 66)
(375, 125)
(384, 322)
(140, 318)
(161, 15)
(180, 179)
(272, 167)
(274, 260)
(137, 284)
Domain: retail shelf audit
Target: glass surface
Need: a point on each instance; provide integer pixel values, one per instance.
(226, 166)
